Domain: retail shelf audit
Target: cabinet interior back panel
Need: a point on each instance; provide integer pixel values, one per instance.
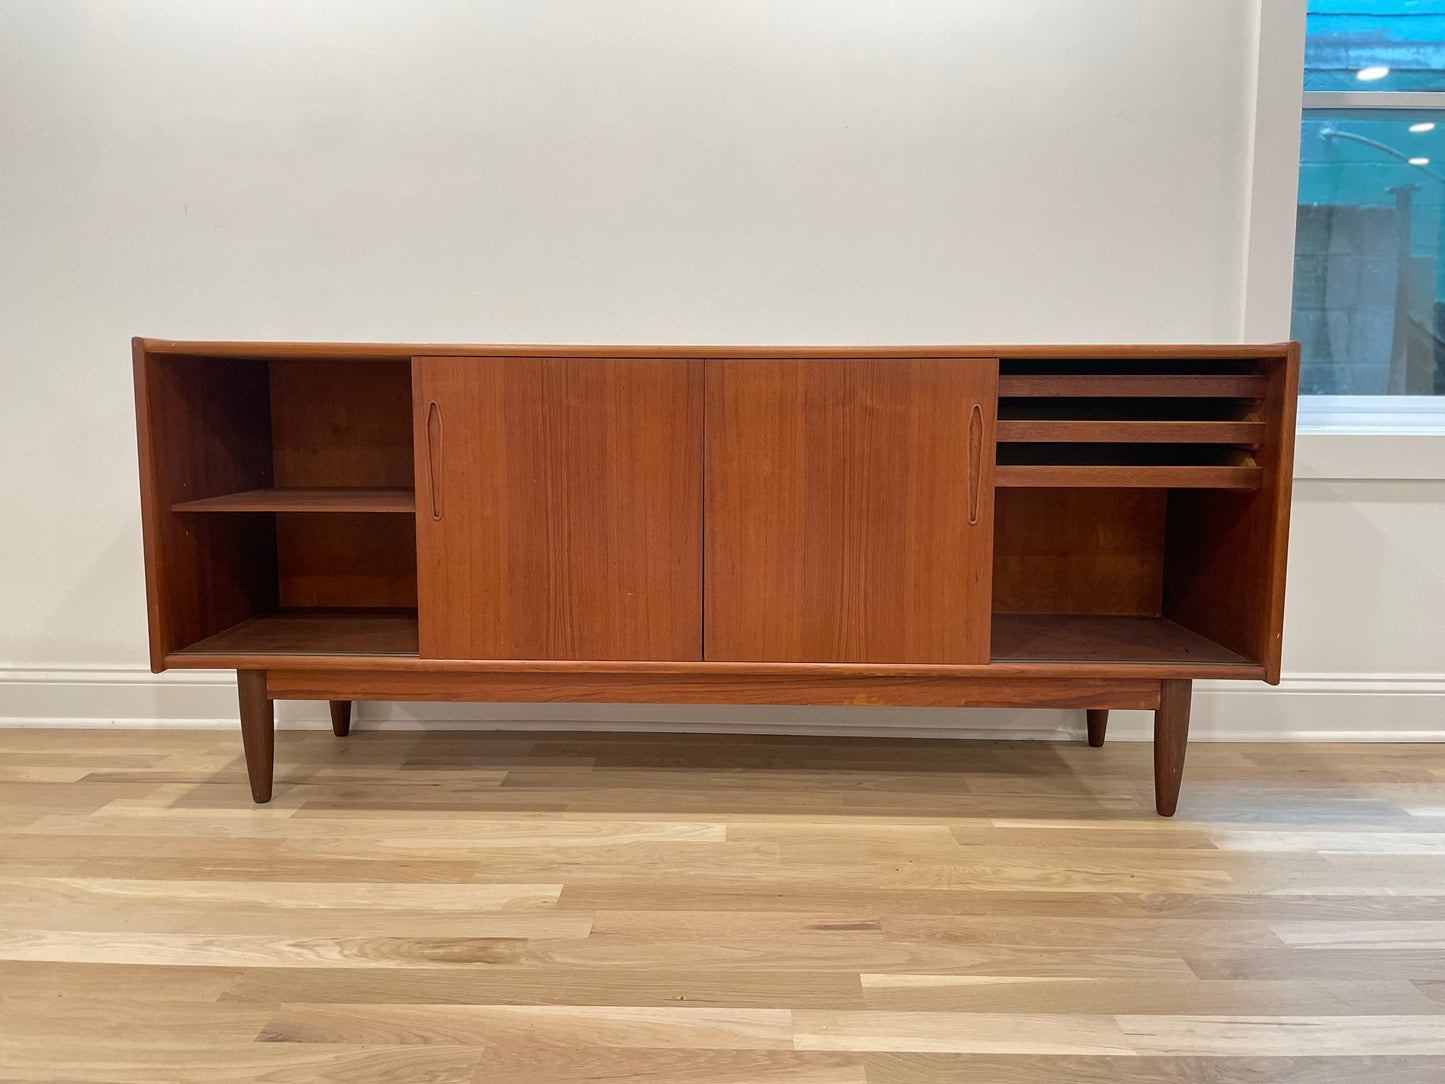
(341, 424)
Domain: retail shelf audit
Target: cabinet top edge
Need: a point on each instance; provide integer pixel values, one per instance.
(326, 351)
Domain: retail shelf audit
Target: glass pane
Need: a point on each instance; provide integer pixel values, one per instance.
(1369, 287)
(1375, 45)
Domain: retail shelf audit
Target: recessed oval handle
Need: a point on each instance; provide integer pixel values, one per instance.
(434, 458)
(975, 461)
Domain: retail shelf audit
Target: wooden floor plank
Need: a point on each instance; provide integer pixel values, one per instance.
(1030, 994)
(253, 950)
(165, 1023)
(103, 892)
(532, 985)
(546, 1025)
(44, 979)
(960, 1033)
(1284, 1036)
(916, 1068)
(299, 924)
(28, 1059)
(535, 1063)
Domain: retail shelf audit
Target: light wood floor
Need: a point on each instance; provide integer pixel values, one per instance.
(508, 908)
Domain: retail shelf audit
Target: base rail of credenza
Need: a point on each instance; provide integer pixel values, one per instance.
(1169, 698)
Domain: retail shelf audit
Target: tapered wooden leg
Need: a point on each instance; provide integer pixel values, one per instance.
(340, 717)
(1098, 723)
(1171, 735)
(258, 731)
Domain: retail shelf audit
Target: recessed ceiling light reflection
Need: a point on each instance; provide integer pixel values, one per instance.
(1419, 161)
(1423, 126)
(1369, 75)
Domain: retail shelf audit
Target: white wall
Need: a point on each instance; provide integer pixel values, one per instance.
(822, 171)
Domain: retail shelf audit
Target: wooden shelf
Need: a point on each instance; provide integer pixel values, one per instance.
(1130, 431)
(1131, 385)
(305, 500)
(1130, 420)
(305, 631)
(1059, 475)
(1103, 638)
(1143, 466)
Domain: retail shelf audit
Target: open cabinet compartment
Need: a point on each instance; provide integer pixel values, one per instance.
(1087, 575)
(1138, 502)
(281, 504)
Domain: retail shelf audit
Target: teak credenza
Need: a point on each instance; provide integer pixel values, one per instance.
(1084, 527)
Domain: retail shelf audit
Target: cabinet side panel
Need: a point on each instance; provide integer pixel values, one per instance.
(559, 508)
(204, 430)
(849, 509)
(150, 509)
(1225, 552)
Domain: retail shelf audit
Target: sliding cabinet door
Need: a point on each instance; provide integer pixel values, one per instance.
(559, 507)
(849, 509)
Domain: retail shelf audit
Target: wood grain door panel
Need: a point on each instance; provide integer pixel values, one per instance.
(849, 509)
(559, 507)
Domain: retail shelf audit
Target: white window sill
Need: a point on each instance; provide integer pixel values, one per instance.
(1381, 438)
(1372, 414)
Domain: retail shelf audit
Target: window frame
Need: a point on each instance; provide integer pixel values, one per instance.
(1418, 414)
(1342, 440)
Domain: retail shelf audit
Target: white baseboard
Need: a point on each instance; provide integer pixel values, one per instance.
(1305, 707)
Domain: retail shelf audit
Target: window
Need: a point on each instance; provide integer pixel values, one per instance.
(1369, 287)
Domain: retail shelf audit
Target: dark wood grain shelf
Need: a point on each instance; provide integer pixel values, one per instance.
(1133, 385)
(1130, 431)
(305, 499)
(1168, 466)
(1129, 477)
(306, 631)
(1103, 638)
(1132, 362)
